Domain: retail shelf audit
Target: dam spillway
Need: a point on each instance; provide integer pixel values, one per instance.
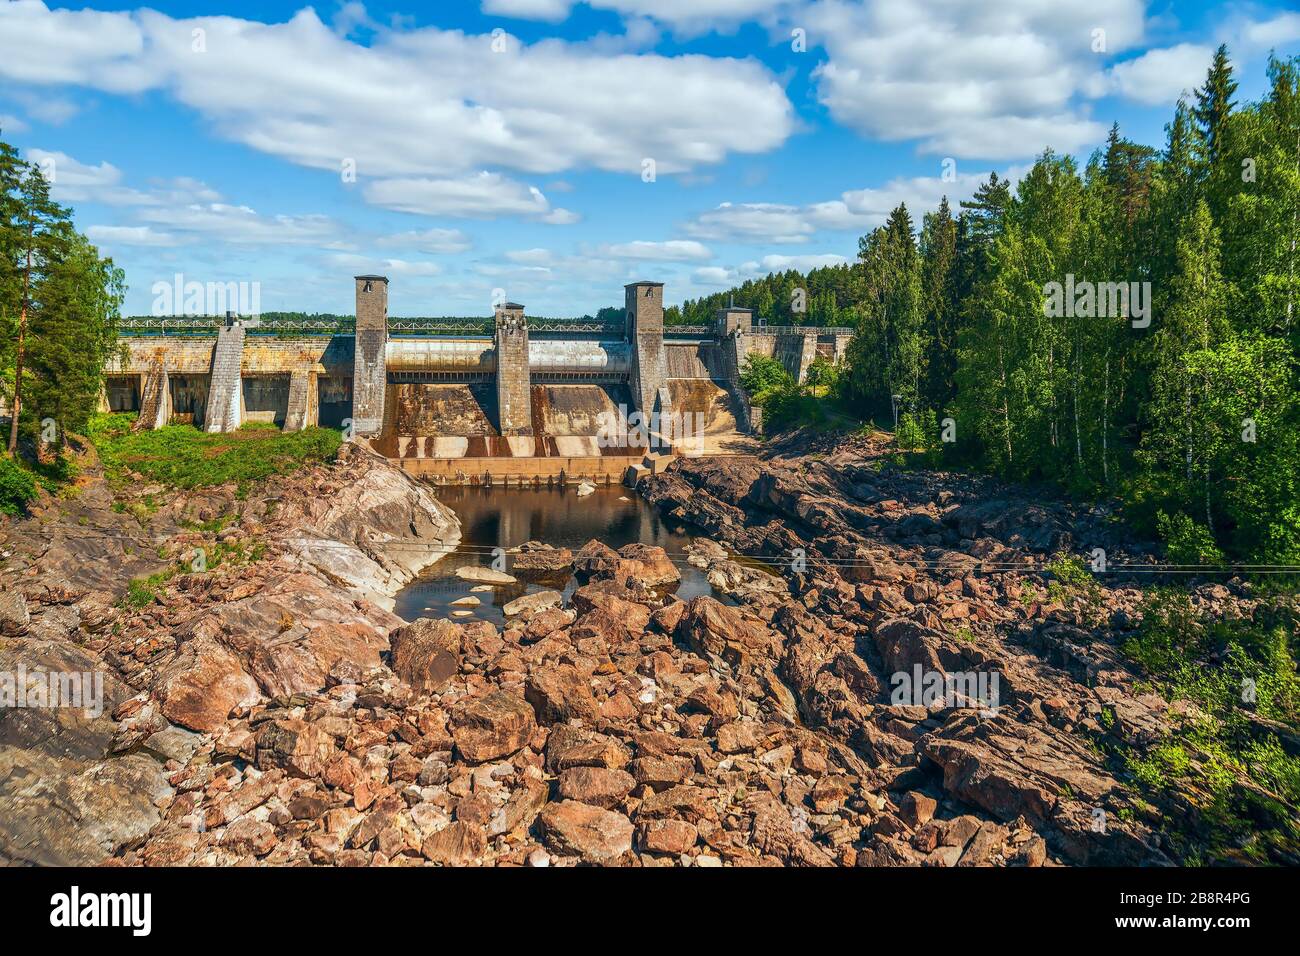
(513, 397)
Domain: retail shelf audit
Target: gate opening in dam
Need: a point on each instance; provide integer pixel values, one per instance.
(513, 399)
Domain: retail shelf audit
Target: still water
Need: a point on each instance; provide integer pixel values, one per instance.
(506, 518)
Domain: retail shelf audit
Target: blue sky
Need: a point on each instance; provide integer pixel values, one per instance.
(503, 144)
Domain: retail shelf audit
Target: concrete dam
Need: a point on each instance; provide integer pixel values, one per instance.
(517, 398)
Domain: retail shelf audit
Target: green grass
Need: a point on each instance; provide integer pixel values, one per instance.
(141, 592)
(180, 456)
(1243, 786)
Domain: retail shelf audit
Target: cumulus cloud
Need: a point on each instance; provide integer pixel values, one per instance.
(481, 196)
(857, 209)
(130, 236)
(1158, 76)
(241, 225)
(73, 181)
(391, 267)
(968, 80)
(687, 16)
(674, 250)
(432, 241)
(416, 104)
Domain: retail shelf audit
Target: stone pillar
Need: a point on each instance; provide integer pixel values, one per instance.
(807, 355)
(302, 411)
(645, 330)
(369, 368)
(514, 395)
(733, 327)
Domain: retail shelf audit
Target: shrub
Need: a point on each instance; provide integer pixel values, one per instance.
(1186, 541)
(17, 486)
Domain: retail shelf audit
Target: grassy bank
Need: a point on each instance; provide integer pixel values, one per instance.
(180, 456)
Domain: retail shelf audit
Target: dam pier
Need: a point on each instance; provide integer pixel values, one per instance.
(513, 398)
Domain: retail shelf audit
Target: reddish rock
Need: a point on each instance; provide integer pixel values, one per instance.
(493, 727)
(426, 654)
(595, 785)
(668, 836)
(455, 844)
(598, 836)
(559, 694)
(302, 749)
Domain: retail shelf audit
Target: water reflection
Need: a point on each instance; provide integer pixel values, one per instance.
(506, 518)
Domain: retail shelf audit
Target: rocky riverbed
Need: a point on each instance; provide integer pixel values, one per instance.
(274, 712)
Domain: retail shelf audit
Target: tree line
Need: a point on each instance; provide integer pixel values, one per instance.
(59, 308)
(1125, 328)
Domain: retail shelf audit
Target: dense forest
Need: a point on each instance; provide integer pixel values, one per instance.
(59, 305)
(1123, 329)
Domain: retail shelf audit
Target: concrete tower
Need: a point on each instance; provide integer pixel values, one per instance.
(645, 330)
(369, 369)
(514, 402)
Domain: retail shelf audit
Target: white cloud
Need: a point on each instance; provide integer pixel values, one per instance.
(551, 11)
(481, 196)
(531, 257)
(968, 80)
(1271, 34)
(674, 250)
(389, 267)
(130, 236)
(690, 16)
(432, 241)
(855, 210)
(752, 222)
(714, 276)
(241, 225)
(1158, 76)
(798, 263)
(11, 124)
(73, 181)
(421, 103)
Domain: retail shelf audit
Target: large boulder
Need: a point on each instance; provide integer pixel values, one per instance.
(598, 836)
(494, 726)
(711, 627)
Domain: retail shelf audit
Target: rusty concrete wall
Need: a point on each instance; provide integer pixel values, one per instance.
(440, 410)
(701, 360)
(189, 398)
(122, 393)
(575, 410)
(333, 401)
(265, 399)
(272, 355)
(181, 355)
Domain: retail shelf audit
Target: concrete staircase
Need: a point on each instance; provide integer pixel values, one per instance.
(223, 413)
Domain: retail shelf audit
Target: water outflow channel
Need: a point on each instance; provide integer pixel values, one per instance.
(508, 517)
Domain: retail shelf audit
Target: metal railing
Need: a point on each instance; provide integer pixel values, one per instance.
(202, 325)
(802, 329)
